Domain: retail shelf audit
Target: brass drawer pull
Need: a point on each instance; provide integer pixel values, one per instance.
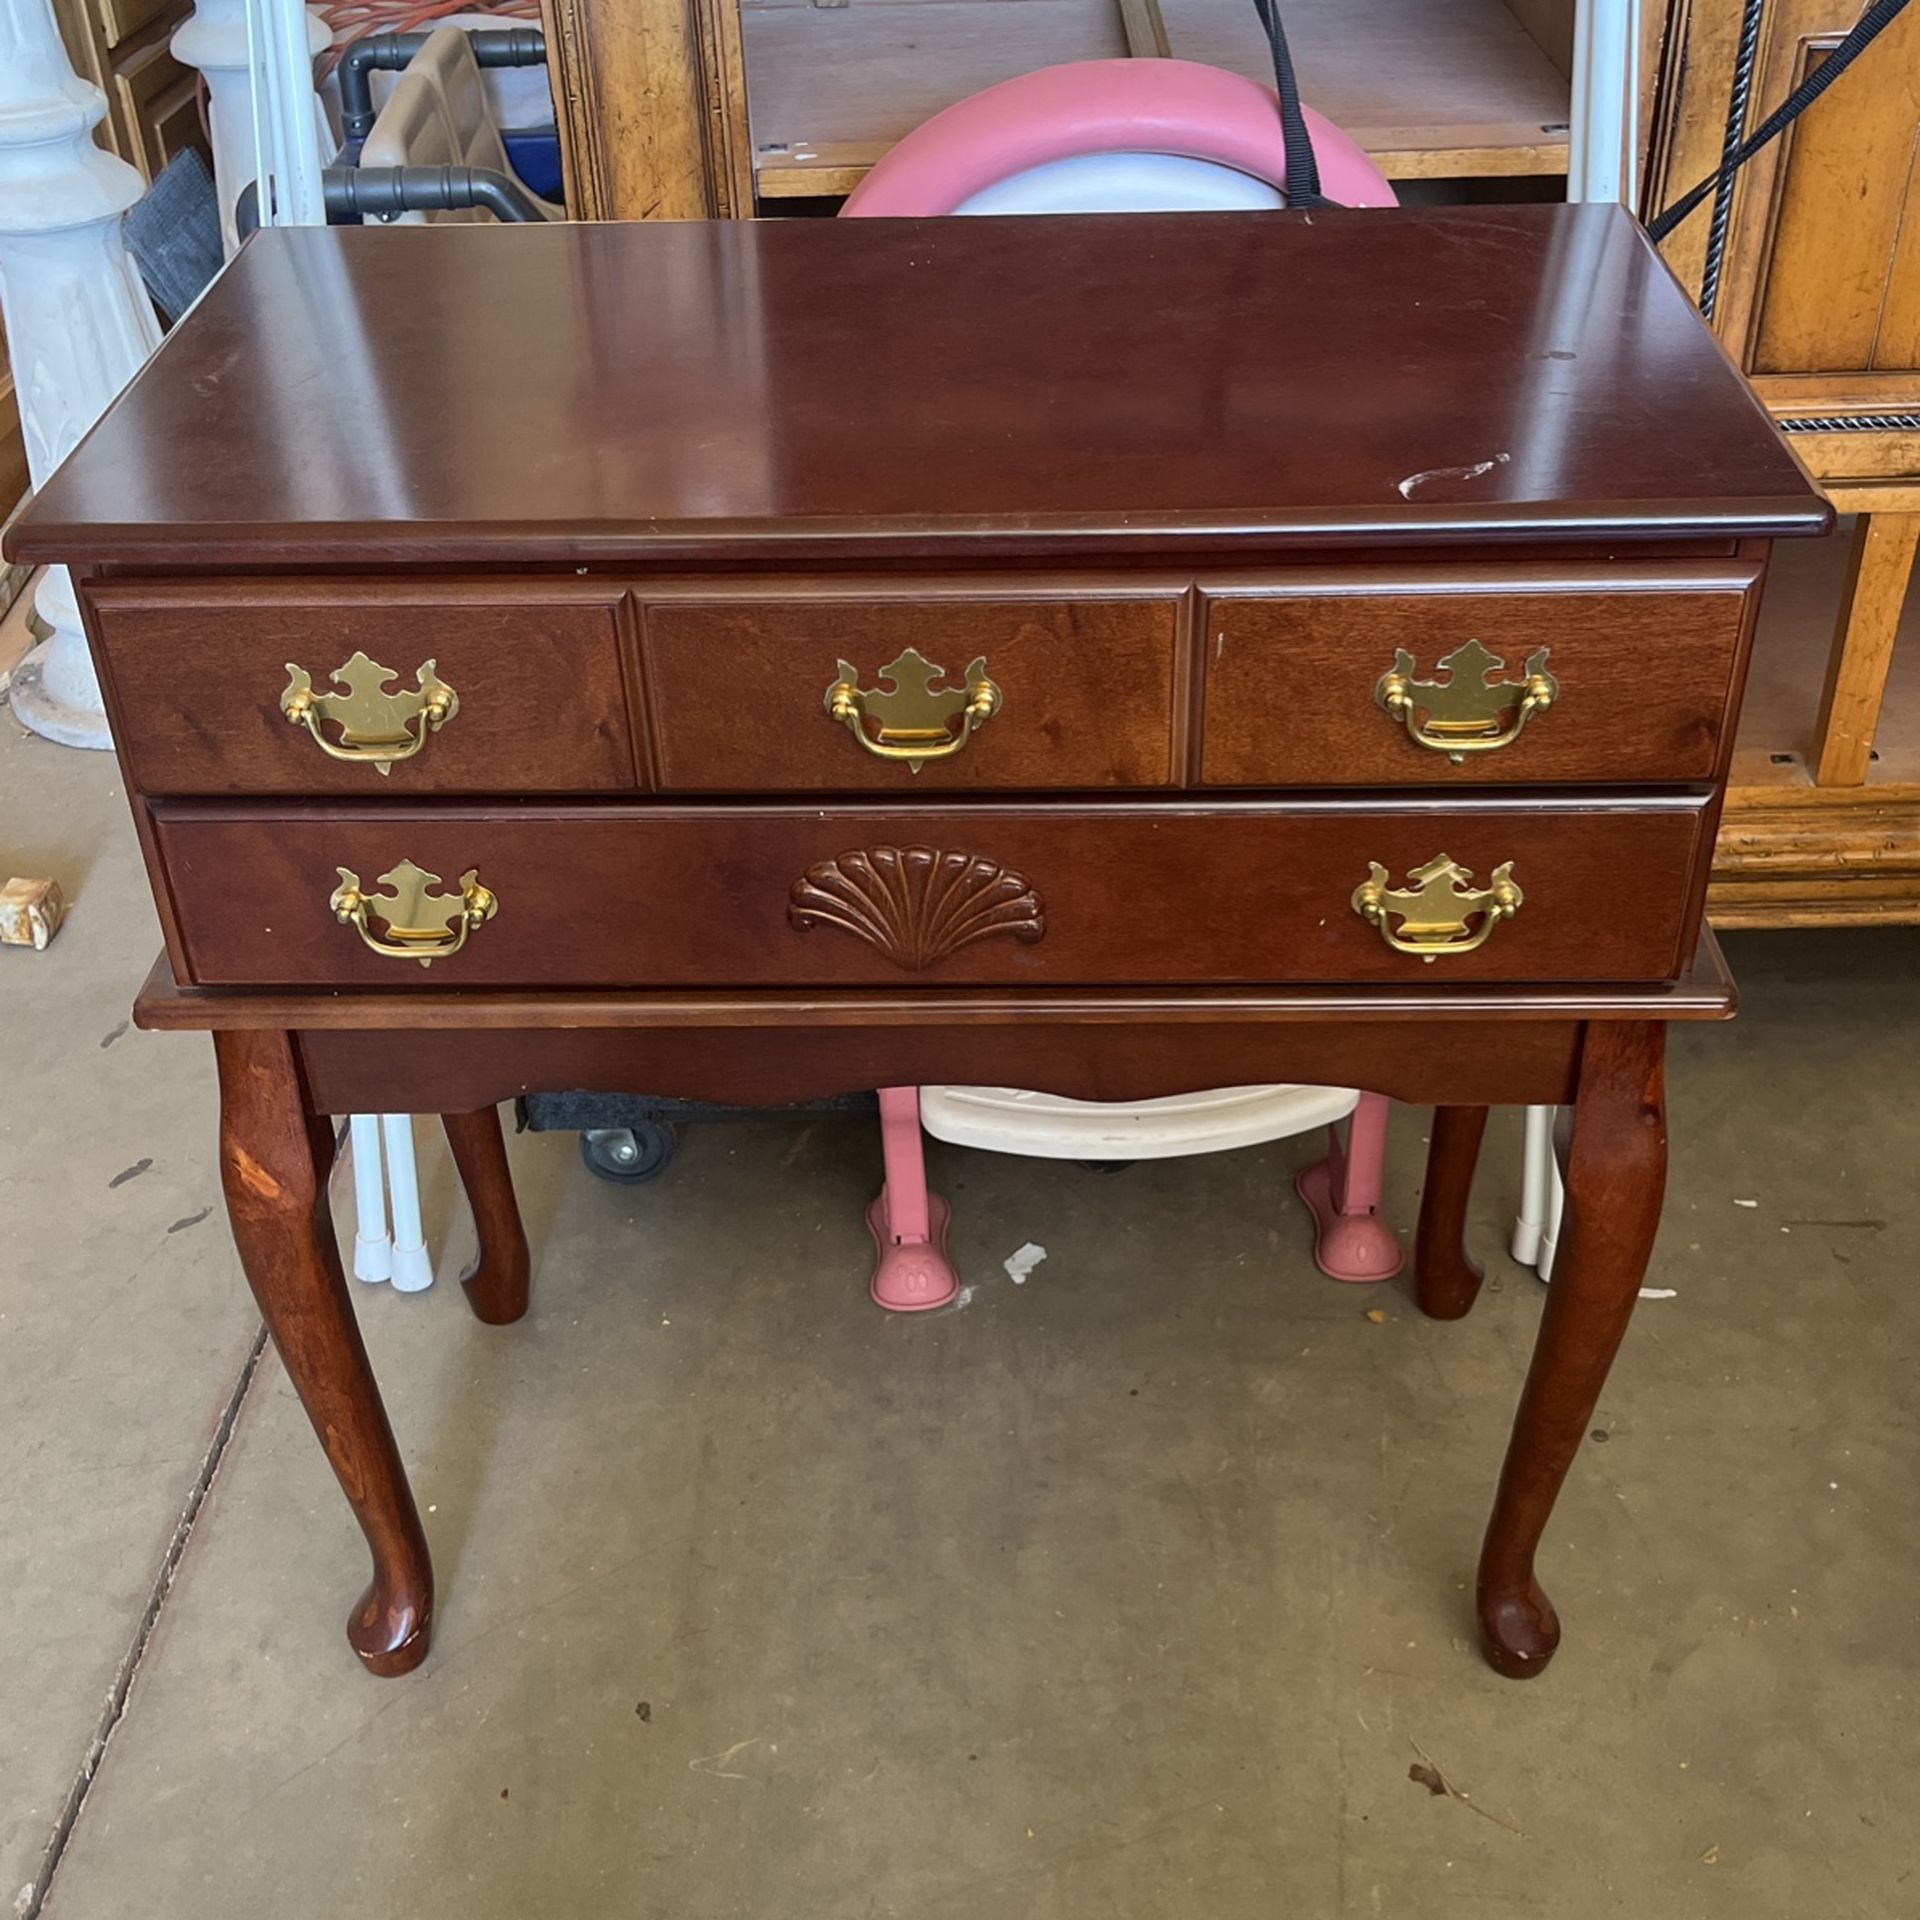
(420, 924)
(915, 717)
(1463, 713)
(376, 726)
(1440, 911)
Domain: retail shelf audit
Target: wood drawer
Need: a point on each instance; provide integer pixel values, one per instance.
(1126, 893)
(736, 686)
(1644, 665)
(195, 678)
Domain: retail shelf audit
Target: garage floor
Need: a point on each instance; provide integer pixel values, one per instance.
(1136, 1590)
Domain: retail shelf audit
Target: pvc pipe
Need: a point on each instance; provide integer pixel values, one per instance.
(1603, 139)
(412, 1270)
(372, 1250)
(1536, 1157)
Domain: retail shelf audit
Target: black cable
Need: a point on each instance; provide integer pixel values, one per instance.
(1303, 169)
(1879, 15)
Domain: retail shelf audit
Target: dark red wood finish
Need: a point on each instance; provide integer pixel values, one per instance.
(1187, 483)
(198, 671)
(906, 390)
(276, 1192)
(1089, 679)
(1644, 662)
(496, 1288)
(1446, 1279)
(1123, 894)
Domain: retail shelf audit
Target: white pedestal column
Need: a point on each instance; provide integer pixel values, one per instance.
(79, 323)
(215, 41)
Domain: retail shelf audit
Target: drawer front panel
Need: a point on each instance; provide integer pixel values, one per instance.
(984, 894)
(736, 690)
(197, 685)
(1640, 676)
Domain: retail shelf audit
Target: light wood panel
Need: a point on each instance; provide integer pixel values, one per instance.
(650, 108)
(13, 444)
(832, 88)
(1430, 90)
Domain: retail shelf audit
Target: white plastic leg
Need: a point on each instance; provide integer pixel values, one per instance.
(372, 1251)
(412, 1270)
(1536, 1157)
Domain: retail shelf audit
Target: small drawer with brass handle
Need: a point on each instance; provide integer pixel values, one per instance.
(1439, 911)
(413, 919)
(202, 683)
(1531, 675)
(920, 691)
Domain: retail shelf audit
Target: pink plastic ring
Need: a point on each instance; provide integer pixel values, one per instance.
(1105, 106)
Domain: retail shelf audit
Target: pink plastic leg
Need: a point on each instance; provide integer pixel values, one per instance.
(1342, 1192)
(911, 1271)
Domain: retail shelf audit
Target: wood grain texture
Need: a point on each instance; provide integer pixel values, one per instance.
(1615, 1169)
(197, 675)
(1838, 285)
(734, 689)
(1827, 861)
(864, 76)
(496, 1287)
(633, 89)
(1195, 893)
(277, 1201)
(1812, 269)
(1645, 668)
(786, 392)
(1879, 573)
(1445, 91)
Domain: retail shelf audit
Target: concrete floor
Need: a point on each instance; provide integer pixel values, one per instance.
(1133, 1591)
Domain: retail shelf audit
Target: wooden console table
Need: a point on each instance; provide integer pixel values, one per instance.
(748, 662)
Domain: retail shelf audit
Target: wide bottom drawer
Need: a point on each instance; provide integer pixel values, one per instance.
(1095, 895)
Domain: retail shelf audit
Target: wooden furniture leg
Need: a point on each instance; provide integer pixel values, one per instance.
(1878, 570)
(1445, 1281)
(1616, 1173)
(496, 1288)
(274, 1170)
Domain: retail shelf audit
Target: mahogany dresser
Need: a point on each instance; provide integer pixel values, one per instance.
(1115, 656)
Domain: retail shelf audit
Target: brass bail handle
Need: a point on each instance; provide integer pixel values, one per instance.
(1440, 911)
(421, 923)
(377, 724)
(914, 716)
(1462, 712)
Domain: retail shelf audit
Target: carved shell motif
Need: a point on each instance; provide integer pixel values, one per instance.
(916, 905)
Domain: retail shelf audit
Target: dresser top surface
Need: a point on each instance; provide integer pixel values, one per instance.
(922, 390)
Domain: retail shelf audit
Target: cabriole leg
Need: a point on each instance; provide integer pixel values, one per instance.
(273, 1163)
(1445, 1281)
(496, 1289)
(1616, 1172)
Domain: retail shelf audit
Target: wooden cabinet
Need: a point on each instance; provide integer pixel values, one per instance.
(1809, 270)
(698, 415)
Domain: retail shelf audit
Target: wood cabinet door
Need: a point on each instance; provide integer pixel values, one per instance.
(1809, 268)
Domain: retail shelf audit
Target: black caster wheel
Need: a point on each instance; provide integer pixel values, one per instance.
(1105, 1166)
(628, 1155)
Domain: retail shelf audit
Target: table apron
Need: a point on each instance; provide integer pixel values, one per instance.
(1511, 1062)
